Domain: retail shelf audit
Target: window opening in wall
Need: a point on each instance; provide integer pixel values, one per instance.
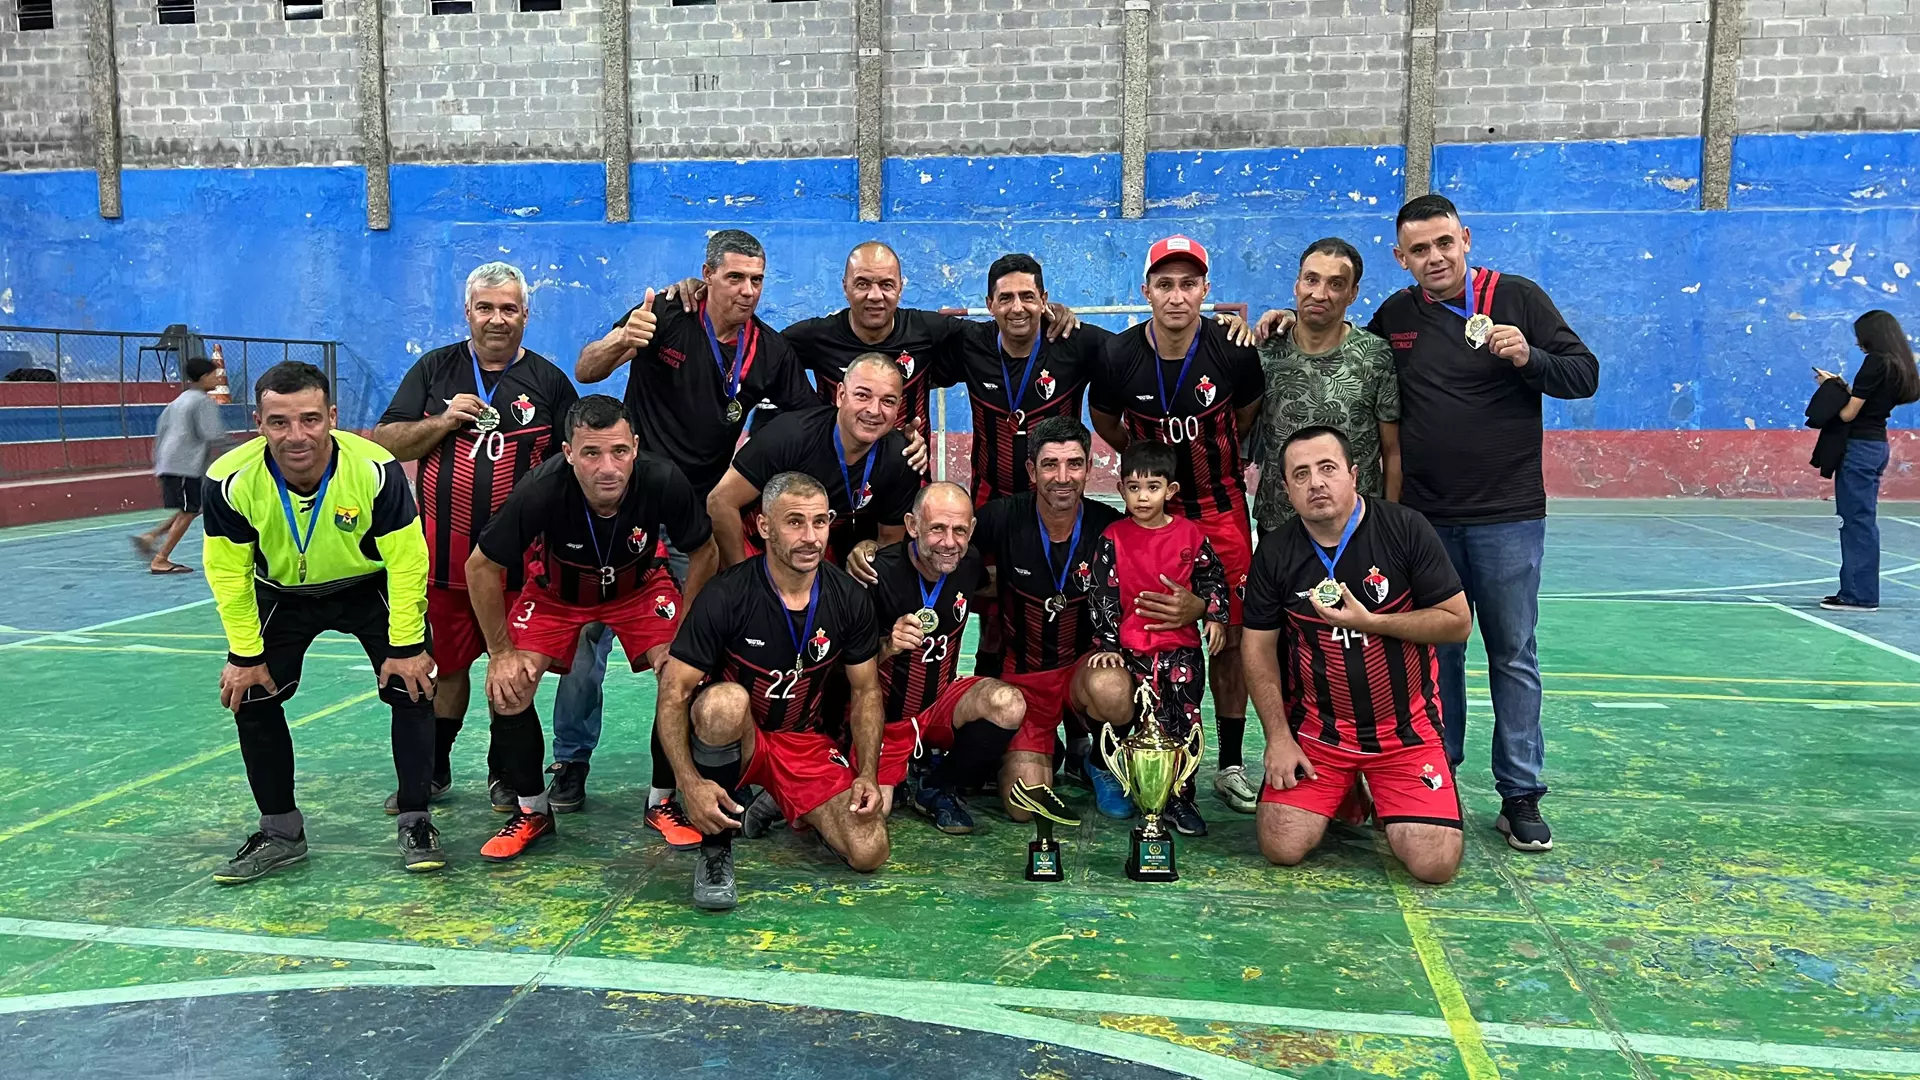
(693, 3)
(539, 5)
(452, 7)
(300, 9)
(35, 14)
(176, 11)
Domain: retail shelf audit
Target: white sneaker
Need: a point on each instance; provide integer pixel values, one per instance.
(1240, 792)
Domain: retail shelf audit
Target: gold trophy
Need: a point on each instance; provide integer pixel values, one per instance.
(1151, 766)
(1043, 852)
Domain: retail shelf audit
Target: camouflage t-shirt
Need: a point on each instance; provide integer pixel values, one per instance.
(1353, 387)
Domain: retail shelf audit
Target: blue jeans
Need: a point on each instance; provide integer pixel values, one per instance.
(576, 705)
(1499, 566)
(1856, 498)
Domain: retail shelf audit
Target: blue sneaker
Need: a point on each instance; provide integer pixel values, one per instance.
(1107, 795)
(945, 809)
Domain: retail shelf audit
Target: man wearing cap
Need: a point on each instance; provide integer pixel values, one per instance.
(1176, 379)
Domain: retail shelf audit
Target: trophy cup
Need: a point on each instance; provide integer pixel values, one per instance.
(1151, 766)
(1043, 852)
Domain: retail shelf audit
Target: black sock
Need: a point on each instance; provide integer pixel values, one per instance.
(445, 730)
(662, 767)
(975, 758)
(516, 752)
(1230, 735)
(720, 764)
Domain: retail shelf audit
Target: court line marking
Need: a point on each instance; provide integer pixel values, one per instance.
(931, 1002)
(108, 623)
(1447, 991)
(169, 771)
(1856, 635)
(132, 520)
(1665, 695)
(1831, 529)
(135, 648)
(1710, 589)
(1823, 560)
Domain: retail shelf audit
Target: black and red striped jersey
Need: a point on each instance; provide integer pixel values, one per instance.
(911, 680)
(1360, 692)
(740, 630)
(1011, 393)
(875, 491)
(463, 481)
(1042, 583)
(826, 346)
(1188, 403)
(581, 556)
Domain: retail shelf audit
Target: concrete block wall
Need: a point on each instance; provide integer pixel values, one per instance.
(494, 85)
(1278, 73)
(1829, 65)
(742, 79)
(969, 77)
(1513, 70)
(44, 120)
(239, 86)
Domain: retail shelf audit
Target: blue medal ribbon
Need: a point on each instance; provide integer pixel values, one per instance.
(593, 533)
(300, 543)
(1160, 377)
(1046, 546)
(813, 607)
(745, 344)
(479, 384)
(1353, 522)
(1466, 312)
(1006, 379)
(840, 458)
(927, 596)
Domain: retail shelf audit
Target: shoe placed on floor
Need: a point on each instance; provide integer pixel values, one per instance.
(567, 792)
(1236, 789)
(503, 797)
(713, 878)
(420, 847)
(259, 856)
(670, 821)
(1834, 603)
(1184, 816)
(1107, 793)
(947, 811)
(761, 815)
(522, 831)
(1521, 823)
(436, 790)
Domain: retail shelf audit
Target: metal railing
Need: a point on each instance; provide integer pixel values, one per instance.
(109, 387)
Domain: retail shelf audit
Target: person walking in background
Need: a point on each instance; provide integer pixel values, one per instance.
(1886, 379)
(183, 439)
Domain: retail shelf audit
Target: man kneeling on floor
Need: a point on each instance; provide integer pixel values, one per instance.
(740, 695)
(1357, 591)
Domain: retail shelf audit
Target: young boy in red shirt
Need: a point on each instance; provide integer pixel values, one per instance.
(1150, 551)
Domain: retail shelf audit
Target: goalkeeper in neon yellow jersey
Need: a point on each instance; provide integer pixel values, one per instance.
(312, 529)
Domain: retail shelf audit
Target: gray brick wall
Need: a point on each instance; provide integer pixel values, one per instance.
(240, 86)
(742, 79)
(44, 123)
(496, 85)
(1278, 73)
(1829, 65)
(971, 77)
(1569, 69)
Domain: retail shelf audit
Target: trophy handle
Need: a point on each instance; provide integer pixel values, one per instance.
(1196, 750)
(1115, 758)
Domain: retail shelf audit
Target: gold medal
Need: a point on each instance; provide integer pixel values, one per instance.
(487, 421)
(928, 619)
(1055, 605)
(734, 411)
(1479, 328)
(1327, 593)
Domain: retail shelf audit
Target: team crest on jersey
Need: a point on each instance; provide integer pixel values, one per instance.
(1376, 583)
(907, 364)
(1084, 575)
(820, 643)
(523, 410)
(1433, 780)
(1205, 390)
(1044, 385)
(637, 540)
(960, 606)
(664, 608)
(346, 517)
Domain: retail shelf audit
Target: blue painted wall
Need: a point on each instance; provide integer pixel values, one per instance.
(1701, 320)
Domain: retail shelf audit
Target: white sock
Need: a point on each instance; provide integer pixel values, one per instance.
(657, 795)
(535, 804)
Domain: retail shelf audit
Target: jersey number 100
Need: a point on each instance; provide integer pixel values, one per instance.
(1178, 429)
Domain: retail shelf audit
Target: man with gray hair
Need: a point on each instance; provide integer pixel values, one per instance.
(477, 415)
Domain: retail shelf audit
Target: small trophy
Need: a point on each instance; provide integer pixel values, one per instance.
(1151, 766)
(1043, 852)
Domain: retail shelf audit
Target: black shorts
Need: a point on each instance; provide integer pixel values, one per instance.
(180, 493)
(290, 621)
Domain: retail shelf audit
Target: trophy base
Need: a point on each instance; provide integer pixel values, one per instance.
(1043, 861)
(1150, 858)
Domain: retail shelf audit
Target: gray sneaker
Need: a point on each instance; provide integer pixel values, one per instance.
(713, 878)
(436, 791)
(259, 856)
(762, 814)
(420, 847)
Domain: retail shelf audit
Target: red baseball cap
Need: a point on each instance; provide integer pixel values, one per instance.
(1176, 247)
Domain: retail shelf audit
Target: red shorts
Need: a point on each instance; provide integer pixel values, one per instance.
(800, 769)
(1049, 695)
(933, 727)
(541, 622)
(457, 640)
(1409, 784)
(1231, 535)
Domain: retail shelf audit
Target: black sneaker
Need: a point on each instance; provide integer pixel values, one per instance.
(1521, 823)
(1184, 817)
(567, 792)
(503, 798)
(436, 790)
(713, 888)
(761, 815)
(420, 847)
(1834, 603)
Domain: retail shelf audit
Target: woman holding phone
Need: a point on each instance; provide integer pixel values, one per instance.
(1886, 380)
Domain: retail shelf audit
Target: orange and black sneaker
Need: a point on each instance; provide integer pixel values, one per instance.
(522, 831)
(666, 818)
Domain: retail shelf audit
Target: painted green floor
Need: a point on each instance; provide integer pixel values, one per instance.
(1736, 892)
